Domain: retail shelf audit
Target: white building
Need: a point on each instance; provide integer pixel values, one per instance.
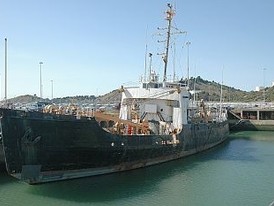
(259, 88)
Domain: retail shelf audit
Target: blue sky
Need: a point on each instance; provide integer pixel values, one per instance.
(94, 46)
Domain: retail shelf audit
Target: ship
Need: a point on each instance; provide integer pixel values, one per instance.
(156, 123)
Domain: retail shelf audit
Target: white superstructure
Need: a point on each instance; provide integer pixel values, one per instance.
(162, 105)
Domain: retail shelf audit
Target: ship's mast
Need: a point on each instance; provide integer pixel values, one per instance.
(170, 13)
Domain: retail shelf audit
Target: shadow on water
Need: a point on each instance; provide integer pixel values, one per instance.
(253, 135)
(235, 150)
(241, 146)
(113, 186)
(141, 181)
(5, 178)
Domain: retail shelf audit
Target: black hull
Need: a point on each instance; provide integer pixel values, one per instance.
(43, 147)
(2, 159)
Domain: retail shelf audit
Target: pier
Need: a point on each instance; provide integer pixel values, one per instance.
(251, 119)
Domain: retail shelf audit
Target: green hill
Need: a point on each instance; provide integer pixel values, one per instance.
(210, 91)
(207, 90)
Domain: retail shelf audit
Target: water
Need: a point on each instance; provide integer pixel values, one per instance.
(239, 172)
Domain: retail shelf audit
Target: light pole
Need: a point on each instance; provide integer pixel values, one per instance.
(264, 83)
(188, 43)
(41, 86)
(150, 64)
(51, 89)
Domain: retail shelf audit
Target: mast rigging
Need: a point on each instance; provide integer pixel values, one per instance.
(170, 13)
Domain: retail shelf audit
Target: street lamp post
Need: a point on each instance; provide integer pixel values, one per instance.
(51, 89)
(264, 83)
(188, 43)
(41, 86)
